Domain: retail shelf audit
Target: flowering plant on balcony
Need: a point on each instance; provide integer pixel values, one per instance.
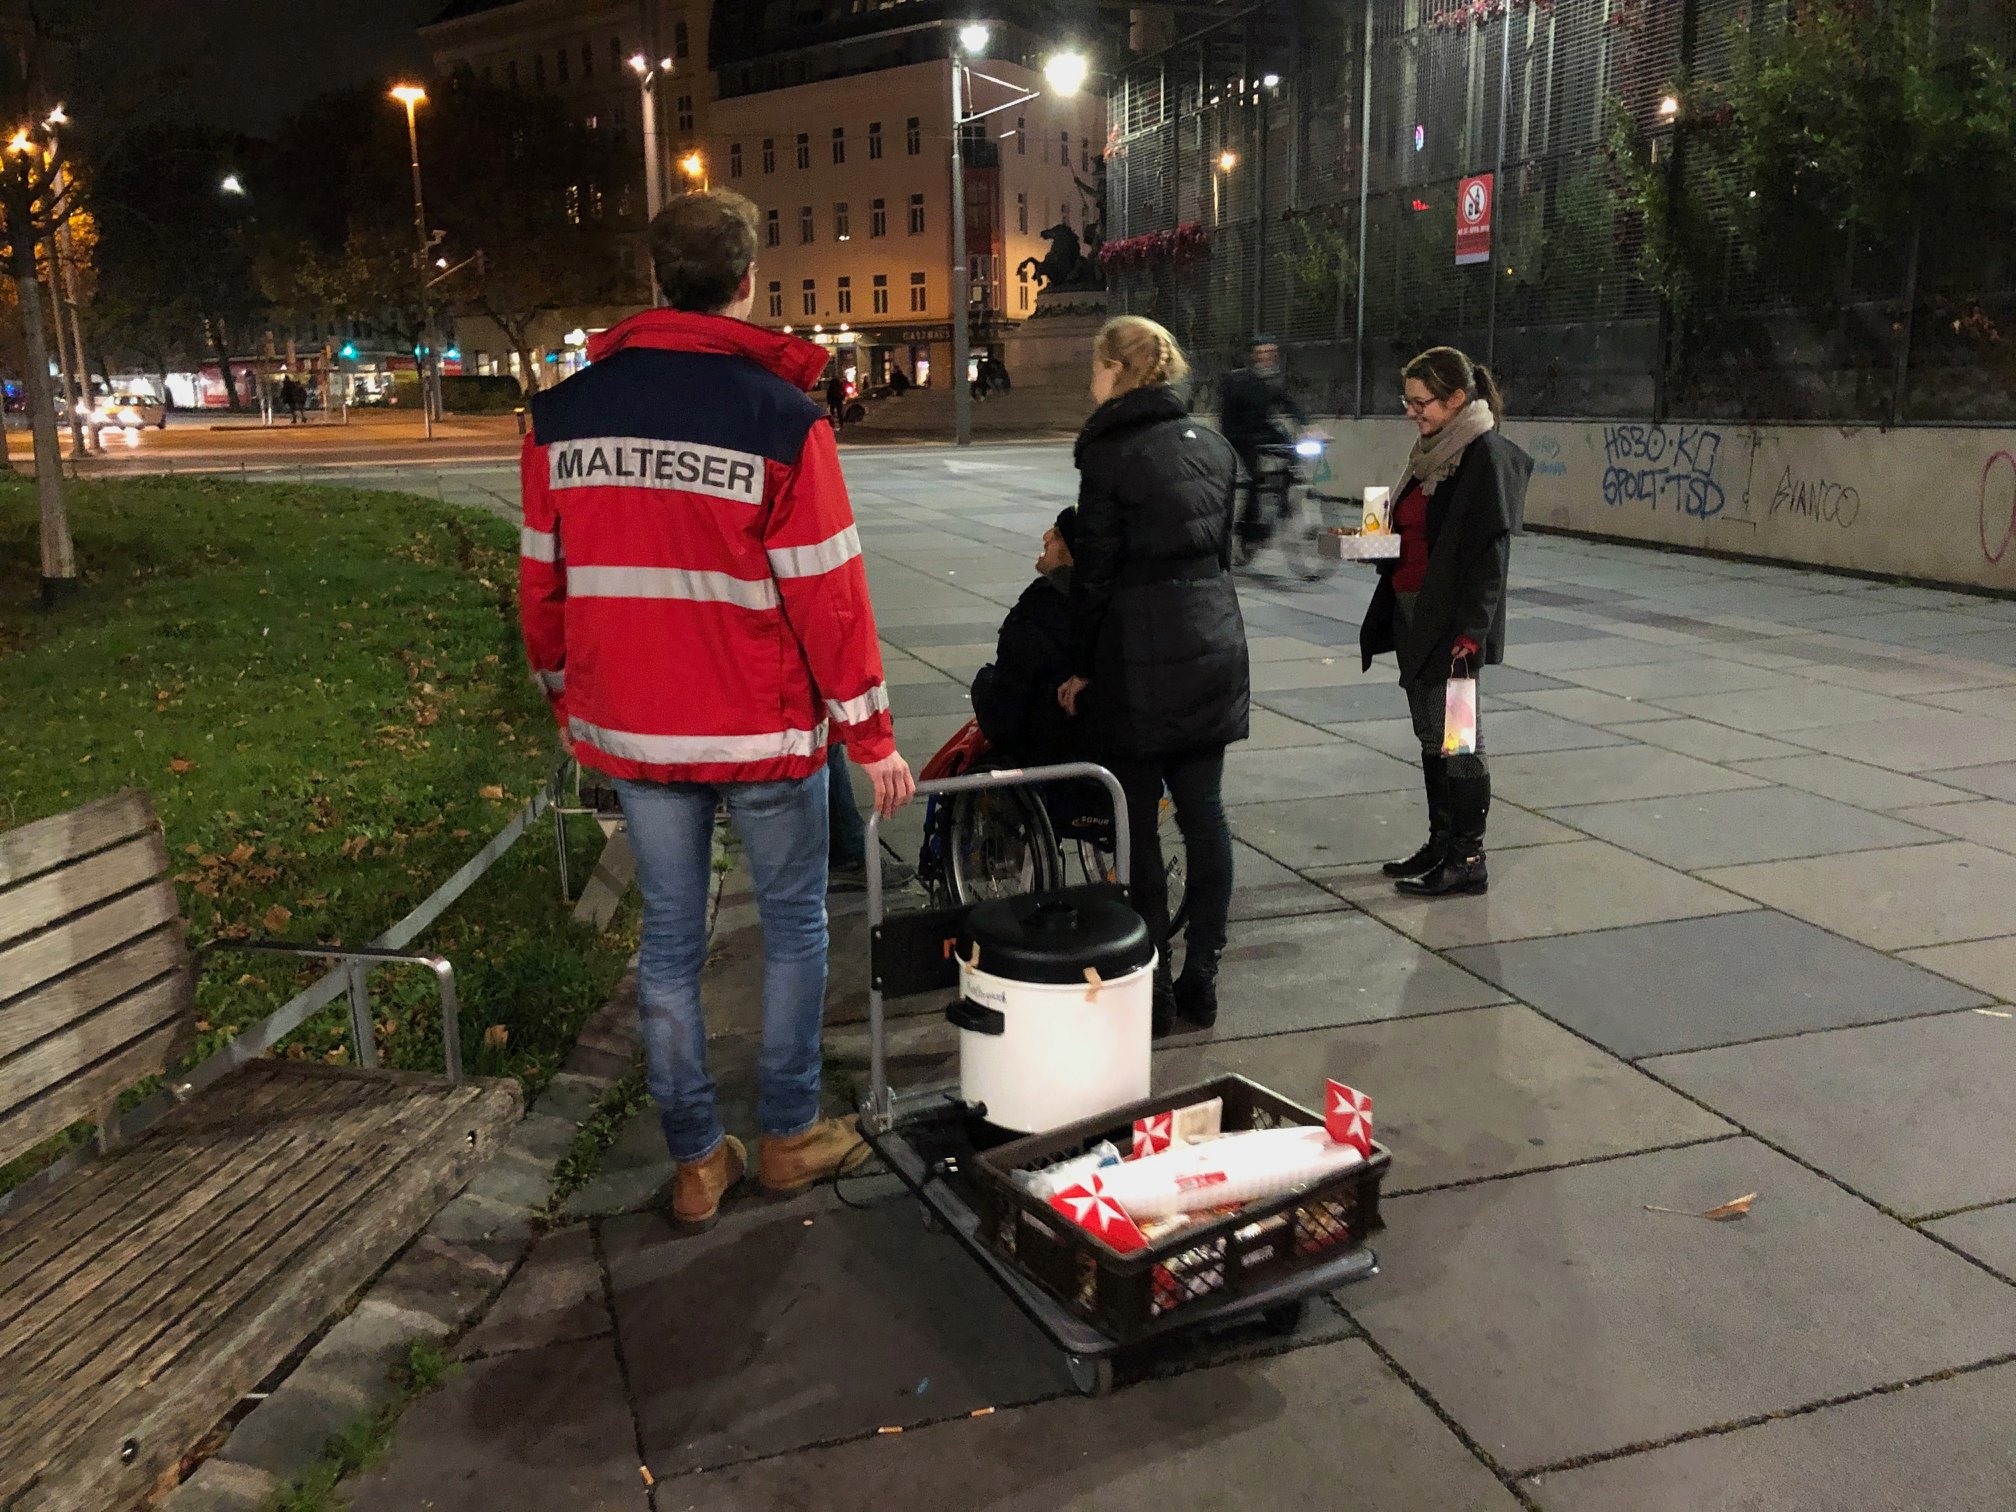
(1468, 13)
(1185, 244)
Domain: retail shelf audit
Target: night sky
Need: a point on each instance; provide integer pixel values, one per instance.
(245, 65)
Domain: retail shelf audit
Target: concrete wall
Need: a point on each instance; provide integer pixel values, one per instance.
(1923, 503)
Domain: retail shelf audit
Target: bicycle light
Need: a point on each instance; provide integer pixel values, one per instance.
(1308, 448)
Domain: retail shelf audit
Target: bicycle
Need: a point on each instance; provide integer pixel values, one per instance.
(989, 843)
(1282, 496)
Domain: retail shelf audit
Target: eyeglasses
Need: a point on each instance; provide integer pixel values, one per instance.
(1415, 406)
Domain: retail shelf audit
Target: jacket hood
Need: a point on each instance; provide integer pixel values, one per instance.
(798, 363)
(1142, 406)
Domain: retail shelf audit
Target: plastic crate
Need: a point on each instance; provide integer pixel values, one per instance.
(1128, 1297)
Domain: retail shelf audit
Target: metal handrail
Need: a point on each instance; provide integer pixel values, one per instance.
(879, 1104)
(358, 963)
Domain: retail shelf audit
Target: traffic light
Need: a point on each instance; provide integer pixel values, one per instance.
(349, 352)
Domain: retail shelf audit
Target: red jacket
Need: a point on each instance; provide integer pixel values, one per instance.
(690, 581)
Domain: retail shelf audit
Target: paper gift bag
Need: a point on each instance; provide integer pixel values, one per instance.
(1459, 717)
(1377, 515)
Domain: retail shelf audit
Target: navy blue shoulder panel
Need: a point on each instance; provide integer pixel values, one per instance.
(705, 398)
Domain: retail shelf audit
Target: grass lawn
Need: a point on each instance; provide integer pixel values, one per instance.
(325, 692)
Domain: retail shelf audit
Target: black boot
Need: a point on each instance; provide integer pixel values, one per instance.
(1461, 872)
(1197, 988)
(1434, 778)
(1163, 1013)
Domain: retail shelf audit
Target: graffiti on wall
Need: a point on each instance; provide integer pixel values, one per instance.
(1816, 498)
(1663, 467)
(1998, 507)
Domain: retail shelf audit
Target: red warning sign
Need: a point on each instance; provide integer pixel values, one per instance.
(1474, 198)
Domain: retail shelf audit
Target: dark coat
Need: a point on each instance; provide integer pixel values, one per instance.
(1472, 518)
(1155, 621)
(1015, 695)
(1248, 407)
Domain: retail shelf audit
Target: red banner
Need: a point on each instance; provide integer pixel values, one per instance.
(1475, 199)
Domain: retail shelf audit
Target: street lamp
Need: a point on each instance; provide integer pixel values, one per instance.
(1065, 73)
(232, 184)
(694, 166)
(647, 75)
(1227, 161)
(412, 96)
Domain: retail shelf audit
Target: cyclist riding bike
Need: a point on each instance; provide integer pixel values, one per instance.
(1259, 417)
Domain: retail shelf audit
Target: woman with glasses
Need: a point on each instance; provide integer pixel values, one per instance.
(1441, 607)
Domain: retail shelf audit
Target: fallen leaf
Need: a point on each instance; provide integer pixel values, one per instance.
(240, 854)
(496, 1037)
(1735, 1208)
(354, 846)
(276, 917)
(192, 849)
(493, 791)
(180, 765)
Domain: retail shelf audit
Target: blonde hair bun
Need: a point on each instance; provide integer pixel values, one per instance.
(1148, 355)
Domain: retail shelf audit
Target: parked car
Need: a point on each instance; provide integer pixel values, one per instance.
(128, 412)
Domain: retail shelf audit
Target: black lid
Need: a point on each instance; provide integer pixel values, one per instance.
(1053, 940)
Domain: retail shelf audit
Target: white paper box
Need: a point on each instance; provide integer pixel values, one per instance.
(1361, 548)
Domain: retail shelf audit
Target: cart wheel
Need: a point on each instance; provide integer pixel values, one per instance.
(1286, 1318)
(1093, 1375)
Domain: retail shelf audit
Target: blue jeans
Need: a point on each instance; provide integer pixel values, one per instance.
(783, 830)
(849, 845)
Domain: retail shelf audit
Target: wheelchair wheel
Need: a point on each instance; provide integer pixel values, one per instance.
(1001, 845)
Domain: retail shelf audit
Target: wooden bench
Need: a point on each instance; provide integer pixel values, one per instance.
(145, 1294)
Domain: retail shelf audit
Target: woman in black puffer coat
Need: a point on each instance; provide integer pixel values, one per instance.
(1158, 649)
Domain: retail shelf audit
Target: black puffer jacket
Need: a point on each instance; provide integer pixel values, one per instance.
(1015, 695)
(1155, 622)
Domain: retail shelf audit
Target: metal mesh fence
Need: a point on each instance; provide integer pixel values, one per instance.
(1323, 148)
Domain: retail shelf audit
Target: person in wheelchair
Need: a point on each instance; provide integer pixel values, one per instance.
(1015, 695)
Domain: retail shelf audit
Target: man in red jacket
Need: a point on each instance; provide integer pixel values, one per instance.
(696, 608)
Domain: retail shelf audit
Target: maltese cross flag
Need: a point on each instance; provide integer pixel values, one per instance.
(1088, 1206)
(1153, 1134)
(1347, 1117)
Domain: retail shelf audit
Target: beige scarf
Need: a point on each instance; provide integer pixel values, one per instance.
(1435, 457)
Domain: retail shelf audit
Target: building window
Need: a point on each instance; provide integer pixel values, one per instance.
(809, 299)
(881, 294)
(805, 231)
(1022, 213)
(560, 63)
(844, 300)
(839, 145)
(769, 154)
(1022, 277)
(842, 230)
(1063, 149)
(874, 141)
(918, 294)
(1084, 154)
(734, 160)
(913, 136)
(878, 217)
(686, 115)
(916, 215)
(587, 61)
(679, 41)
(777, 299)
(804, 149)
(1063, 213)
(1021, 136)
(772, 232)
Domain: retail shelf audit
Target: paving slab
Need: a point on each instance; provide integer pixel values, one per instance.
(1988, 1234)
(1708, 742)
(1994, 780)
(1915, 1115)
(1294, 1430)
(1362, 699)
(1701, 830)
(1922, 740)
(1324, 671)
(1464, 1096)
(1271, 648)
(1990, 822)
(1553, 778)
(1677, 679)
(1694, 983)
(1317, 771)
(945, 696)
(1268, 731)
(1279, 975)
(1507, 732)
(555, 1298)
(1554, 1317)
(1801, 706)
(810, 1331)
(539, 1428)
(1941, 1447)
(1989, 965)
(1565, 658)
(1891, 899)
(1848, 781)
(1544, 890)
(1262, 888)
(1323, 834)
(1589, 706)
(1990, 702)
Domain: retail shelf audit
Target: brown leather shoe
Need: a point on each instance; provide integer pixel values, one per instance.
(831, 1146)
(699, 1185)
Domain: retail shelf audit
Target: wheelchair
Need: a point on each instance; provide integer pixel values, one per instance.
(1003, 842)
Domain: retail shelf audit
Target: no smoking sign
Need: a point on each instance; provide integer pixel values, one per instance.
(1474, 197)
